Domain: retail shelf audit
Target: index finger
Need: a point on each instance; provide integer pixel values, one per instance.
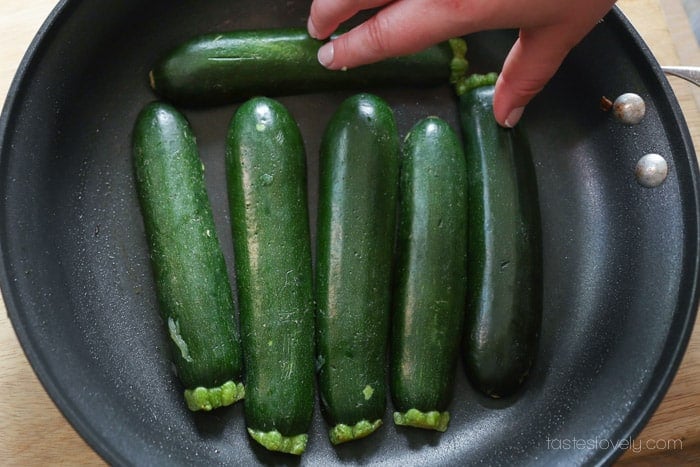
(327, 15)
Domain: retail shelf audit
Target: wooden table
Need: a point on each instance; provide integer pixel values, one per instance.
(33, 431)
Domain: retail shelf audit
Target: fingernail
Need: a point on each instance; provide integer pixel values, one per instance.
(325, 54)
(514, 117)
(313, 32)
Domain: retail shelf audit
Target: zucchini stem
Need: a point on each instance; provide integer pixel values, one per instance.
(432, 420)
(276, 441)
(207, 399)
(467, 83)
(342, 433)
(459, 64)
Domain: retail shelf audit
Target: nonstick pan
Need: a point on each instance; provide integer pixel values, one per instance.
(620, 259)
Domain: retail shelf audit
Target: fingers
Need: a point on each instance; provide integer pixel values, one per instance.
(530, 64)
(537, 55)
(549, 29)
(400, 28)
(326, 15)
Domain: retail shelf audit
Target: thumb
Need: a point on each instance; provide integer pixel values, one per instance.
(530, 64)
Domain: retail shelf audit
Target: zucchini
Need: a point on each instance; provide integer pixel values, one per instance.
(266, 174)
(505, 266)
(192, 285)
(221, 68)
(359, 170)
(431, 273)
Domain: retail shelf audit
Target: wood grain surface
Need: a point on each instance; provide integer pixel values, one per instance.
(33, 431)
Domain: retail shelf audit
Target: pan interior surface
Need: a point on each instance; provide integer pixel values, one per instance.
(620, 260)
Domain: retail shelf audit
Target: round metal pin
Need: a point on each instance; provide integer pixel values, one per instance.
(651, 170)
(629, 108)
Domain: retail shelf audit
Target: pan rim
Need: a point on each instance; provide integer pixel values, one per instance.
(78, 421)
(646, 407)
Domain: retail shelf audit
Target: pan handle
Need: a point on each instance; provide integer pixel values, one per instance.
(688, 73)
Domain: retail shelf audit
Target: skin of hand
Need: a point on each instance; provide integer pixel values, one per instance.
(549, 29)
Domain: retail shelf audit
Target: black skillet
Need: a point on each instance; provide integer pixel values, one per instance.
(620, 260)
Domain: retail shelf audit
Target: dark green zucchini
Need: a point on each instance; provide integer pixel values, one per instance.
(431, 273)
(224, 67)
(505, 265)
(192, 283)
(266, 173)
(359, 170)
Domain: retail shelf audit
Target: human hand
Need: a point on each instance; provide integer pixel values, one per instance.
(549, 29)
